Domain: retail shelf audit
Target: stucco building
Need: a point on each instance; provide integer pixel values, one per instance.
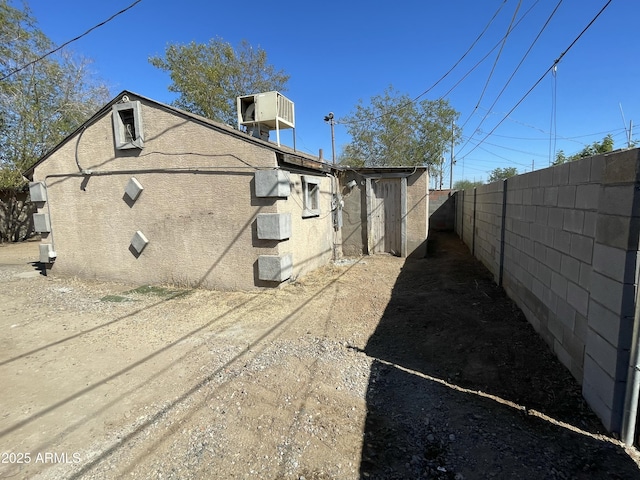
(148, 194)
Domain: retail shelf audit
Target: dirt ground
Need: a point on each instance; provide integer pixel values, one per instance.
(374, 368)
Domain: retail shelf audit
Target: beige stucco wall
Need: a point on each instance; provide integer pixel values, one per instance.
(311, 242)
(199, 220)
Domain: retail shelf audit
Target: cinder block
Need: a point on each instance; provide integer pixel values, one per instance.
(139, 242)
(546, 177)
(580, 171)
(580, 330)
(551, 196)
(554, 259)
(542, 215)
(537, 196)
(537, 288)
(37, 192)
(621, 168)
(561, 174)
(591, 395)
(133, 189)
(561, 353)
(607, 292)
(582, 248)
(559, 285)
(41, 222)
(597, 168)
(274, 226)
(602, 352)
(604, 322)
(600, 382)
(573, 220)
(617, 200)
(274, 268)
(612, 230)
(562, 241)
(567, 196)
(47, 255)
(272, 183)
(578, 298)
(566, 314)
(570, 268)
(534, 178)
(589, 227)
(556, 217)
(555, 327)
(610, 262)
(585, 276)
(587, 196)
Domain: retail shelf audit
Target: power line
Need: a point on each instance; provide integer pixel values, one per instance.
(465, 53)
(544, 74)
(516, 150)
(524, 57)
(488, 53)
(19, 69)
(617, 131)
(495, 63)
(473, 44)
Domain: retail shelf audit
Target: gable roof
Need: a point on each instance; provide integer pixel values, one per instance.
(284, 154)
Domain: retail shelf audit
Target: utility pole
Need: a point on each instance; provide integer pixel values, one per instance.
(329, 118)
(533, 164)
(453, 124)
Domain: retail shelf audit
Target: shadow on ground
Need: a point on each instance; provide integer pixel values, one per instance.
(462, 387)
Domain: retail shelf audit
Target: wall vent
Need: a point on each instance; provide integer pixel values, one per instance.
(128, 130)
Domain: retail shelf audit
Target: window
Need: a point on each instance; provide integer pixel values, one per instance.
(311, 196)
(127, 125)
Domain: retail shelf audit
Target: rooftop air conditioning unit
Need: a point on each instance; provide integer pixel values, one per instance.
(262, 112)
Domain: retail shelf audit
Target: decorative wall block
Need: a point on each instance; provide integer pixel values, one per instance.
(274, 226)
(133, 189)
(274, 268)
(37, 192)
(272, 183)
(139, 242)
(47, 255)
(41, 223)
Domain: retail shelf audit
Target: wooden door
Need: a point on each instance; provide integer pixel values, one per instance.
(386, 218)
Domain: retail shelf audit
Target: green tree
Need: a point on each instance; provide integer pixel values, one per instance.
(42, 103)
(466, 184)
(394, 130)
(596, 148)
(498, 174)
(208, 77)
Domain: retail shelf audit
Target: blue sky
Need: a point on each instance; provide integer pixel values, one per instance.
(340, 52)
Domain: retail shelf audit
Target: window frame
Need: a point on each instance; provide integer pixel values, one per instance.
(311, 196)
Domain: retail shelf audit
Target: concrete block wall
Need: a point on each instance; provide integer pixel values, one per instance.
(441, 210)
(567, 254)
(488, 224)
